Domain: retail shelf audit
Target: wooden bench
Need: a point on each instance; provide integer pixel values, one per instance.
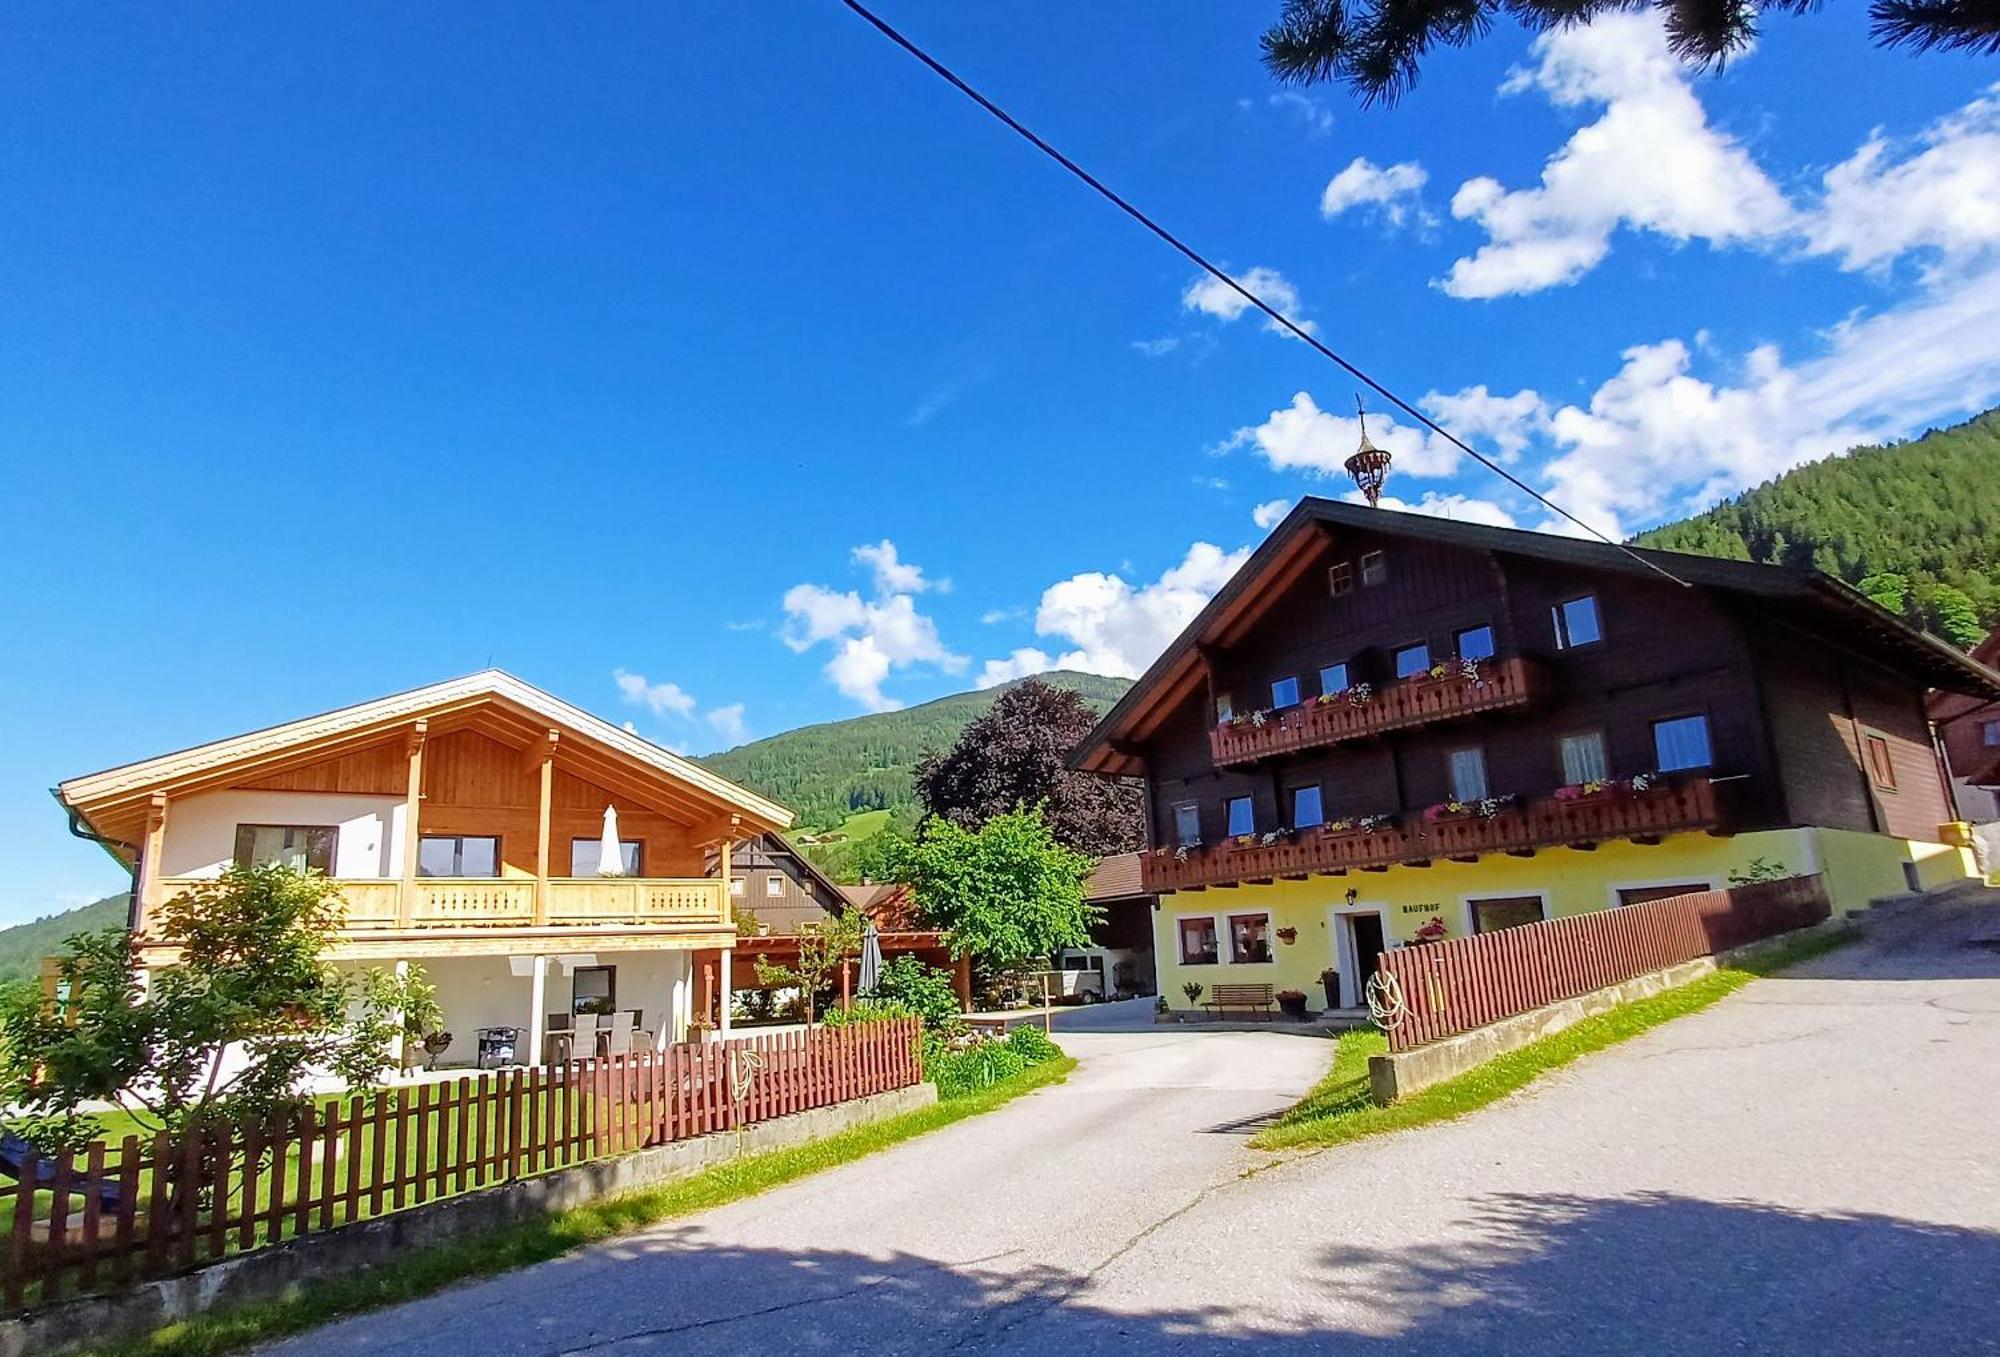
(1250, 998)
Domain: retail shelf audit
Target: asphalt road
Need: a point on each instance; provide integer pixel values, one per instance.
(1809, 1166)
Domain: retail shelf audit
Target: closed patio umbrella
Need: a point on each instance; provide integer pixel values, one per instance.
(610, 855)
(871, 957)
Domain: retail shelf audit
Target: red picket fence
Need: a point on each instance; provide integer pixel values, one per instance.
(1455, 986)
(119, 1213)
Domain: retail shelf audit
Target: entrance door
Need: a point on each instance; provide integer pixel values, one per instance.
(1368, 942)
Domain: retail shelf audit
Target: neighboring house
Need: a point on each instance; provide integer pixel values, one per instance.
(1969, 729)
(777, 890)
(463, 823)
(1315, 795)
(1120, 955)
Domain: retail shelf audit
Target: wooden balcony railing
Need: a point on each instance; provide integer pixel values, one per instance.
(476, 903)
(1501, 684)
(1674, 807)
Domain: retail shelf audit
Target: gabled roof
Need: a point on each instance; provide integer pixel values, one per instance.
(1950, 706)
(492, 701)
(1298, 543)
(1115, 878)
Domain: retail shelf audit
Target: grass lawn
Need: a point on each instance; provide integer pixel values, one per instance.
(422, 1271)
(1339, 1108)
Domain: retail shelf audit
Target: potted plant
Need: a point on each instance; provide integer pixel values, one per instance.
(1193, 991)
(435, 1044)
(1329, 980)
(1292, 1003)
(1434, 930)
(1288, 935)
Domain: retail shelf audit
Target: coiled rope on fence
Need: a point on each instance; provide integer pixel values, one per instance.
(743, 1073)
(1385, 1001)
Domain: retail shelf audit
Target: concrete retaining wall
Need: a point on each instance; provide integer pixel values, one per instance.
(1394, 1077)
(270, 1274)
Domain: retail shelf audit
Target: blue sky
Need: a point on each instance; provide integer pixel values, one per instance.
(344, 349)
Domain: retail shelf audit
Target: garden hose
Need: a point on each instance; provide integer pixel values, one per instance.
(1385, 1001)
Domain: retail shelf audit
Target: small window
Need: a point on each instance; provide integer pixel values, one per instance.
(594, 989)
(1239, 815)
(1474, 643)
(1583, 758)
(1881, 766)
(736, 886)
(1249, 938)
(1374, 569)
(1468, 774)
(1198, 942)
(1225, 710)
(1505, 911)
(1306, 807)
(1285, 693)
(1412, 660)
(458, 855)
(1989, 734)
(1333, 678)
(300, 847)
(583, 856)
(1576, 623)
(774, 885)
(1681, 742)
(1187, 824)
(1642, 895)
(1340, 578)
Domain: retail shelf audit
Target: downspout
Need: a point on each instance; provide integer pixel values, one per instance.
(82, 830)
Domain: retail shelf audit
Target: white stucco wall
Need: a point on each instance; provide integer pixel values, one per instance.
(476, 992)
(200, 835)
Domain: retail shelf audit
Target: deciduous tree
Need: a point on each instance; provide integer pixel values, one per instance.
(1006, 894)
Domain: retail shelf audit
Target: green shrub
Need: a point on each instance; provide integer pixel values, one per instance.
(864, 1011)
(1032, 1044)
(926, 991)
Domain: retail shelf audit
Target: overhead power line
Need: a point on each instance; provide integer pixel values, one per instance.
(1277, 317)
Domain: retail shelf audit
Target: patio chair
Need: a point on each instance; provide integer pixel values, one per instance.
(583, 1046)
(620, 1042)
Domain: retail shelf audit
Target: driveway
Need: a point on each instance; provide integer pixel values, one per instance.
(1808, 1166)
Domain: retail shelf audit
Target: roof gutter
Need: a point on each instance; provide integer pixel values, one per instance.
(80, 827)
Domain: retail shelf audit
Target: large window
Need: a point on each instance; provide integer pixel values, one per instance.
(1187, 823)
(1239, 815)
(1640, 895)
(1468, 774)
(1475, 643)
(1583, 757)
(1681, 742)
(297, 846)
(1333, 679)
(1198, 942)
(1249, 938)
(458, 855)
(1225, 709)
(1576, 622)
(1505, 911)
(1285, 693)
(594, 989)
(1307, 810)
(1412, 660)
(583, 856)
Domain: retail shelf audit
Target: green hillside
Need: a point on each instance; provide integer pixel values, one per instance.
(1927, 510)
(828, 772)
(23, 946)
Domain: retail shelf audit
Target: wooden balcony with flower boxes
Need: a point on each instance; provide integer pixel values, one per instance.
(1662, 808)
(1464, 688)
(486, 914)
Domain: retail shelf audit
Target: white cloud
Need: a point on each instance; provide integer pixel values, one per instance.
(872, 637)
(1270, 513)
(1650, 162)
(1393, 192)
(1656, 440)
(728, 723)
(1945, 197)
(1213, 297)
(994, 616)
(1506, 424)
(1157, 348)
(1023, 662)
(1316, 116)
(1460, 507)
(1303, 437)
(661, 699)
(1114, 627)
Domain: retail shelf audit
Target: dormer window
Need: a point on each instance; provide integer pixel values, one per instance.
(1340, 578)
(1374, 569)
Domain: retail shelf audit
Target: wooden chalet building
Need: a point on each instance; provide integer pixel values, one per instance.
(1390, 727)
(1969, 729)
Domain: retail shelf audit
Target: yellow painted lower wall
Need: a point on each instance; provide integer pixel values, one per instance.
(1858, 867)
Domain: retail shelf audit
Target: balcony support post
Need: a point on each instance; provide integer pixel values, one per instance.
(538, 1012)
(728, 991)
(413, 795)
(547, 770)
(151, 862)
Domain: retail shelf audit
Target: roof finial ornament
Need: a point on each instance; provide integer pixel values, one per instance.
(1369, 465)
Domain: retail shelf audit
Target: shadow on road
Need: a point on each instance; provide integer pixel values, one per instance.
(1654, 1273)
